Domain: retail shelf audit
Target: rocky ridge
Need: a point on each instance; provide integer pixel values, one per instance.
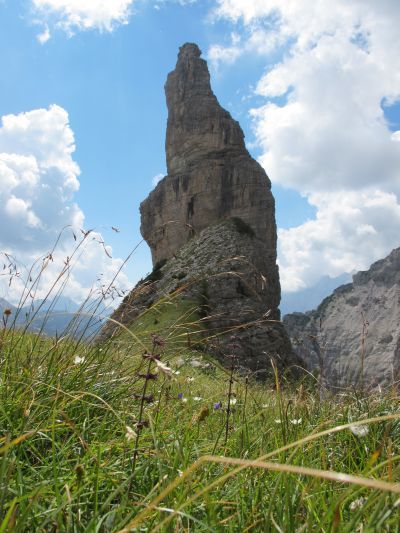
(353, 337)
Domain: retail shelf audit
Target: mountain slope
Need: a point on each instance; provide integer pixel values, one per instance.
(353, 337)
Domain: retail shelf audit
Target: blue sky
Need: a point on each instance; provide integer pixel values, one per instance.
(305, 93)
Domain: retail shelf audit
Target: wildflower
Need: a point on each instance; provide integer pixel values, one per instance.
(278, 421)
(130, 434)
(78, 360)
(296, 421)
(232, 401)
(217, 406)
(180, 395)
(197, 398)
(184, 400)
(7, 312)
(190, 379)
(164, 368)
(359, 431)
(357, 504)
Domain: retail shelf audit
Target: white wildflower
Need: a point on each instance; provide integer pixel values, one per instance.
(190, 379)
(357, 504)
(232, 401)
(359, 431)
(278, 421)
(184, 400)
(197, 398)
(162, 367)
(296, 421)
(78, 360)
(130, 434)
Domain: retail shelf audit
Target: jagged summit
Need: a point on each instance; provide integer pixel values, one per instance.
(197, 124)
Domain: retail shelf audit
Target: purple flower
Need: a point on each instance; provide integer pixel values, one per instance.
(180, 395)
(217, 405)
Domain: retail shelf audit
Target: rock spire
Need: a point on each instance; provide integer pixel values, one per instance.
(210, 225)
(211, 175)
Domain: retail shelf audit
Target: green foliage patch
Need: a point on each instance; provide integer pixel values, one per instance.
(91, 435)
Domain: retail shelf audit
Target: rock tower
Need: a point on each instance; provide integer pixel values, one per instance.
(211, 175)
(212, 218)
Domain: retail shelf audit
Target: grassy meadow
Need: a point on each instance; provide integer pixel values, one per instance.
(146, 432)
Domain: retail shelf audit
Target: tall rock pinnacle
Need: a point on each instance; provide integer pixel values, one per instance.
(211, 175)
(197, 125)
(210, 225)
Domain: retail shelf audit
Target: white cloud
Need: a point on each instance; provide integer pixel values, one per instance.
(38, 179)
(156, 179)
(257, 41)
(327, 136)
(76, 15)
(225, 54)
(44, 36)
(350, 228)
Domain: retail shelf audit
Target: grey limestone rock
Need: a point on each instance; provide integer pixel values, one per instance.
(353, 337)
(211, 175)
(210, 225)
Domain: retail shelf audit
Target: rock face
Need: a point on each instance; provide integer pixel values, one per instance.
(353, 337)
(211, 175)
(210, 224)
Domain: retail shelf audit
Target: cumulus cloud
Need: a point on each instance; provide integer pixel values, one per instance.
(257, 41)
(155, 179)
(351, 230)
(76, 15)
(38, 180)
(322, 129)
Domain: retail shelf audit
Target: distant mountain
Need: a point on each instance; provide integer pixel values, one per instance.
(58, 317)
(310, 298)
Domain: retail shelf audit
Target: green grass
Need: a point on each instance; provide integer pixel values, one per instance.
(66, 463)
